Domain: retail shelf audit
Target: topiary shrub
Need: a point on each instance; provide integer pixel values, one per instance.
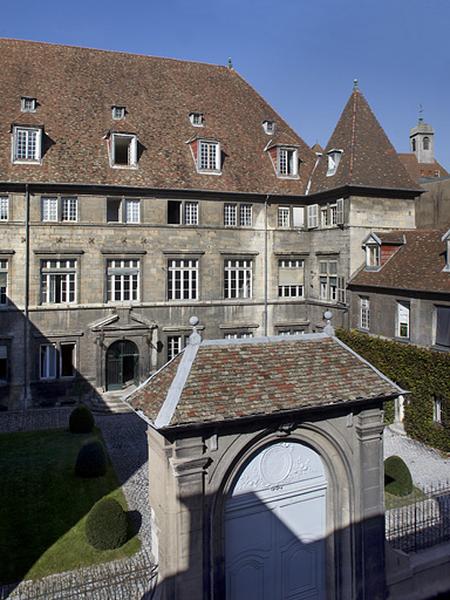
(91, 460)
(106, 525)
(81, 420)
(397, 478)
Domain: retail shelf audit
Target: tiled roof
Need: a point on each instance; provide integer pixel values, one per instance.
(232, 379)
(368, 158)
(418, 170)
(417, 265)
(76, 88)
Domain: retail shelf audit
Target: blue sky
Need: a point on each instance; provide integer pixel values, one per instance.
(301, 55)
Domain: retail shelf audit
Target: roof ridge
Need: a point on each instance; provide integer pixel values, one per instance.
(353, 137)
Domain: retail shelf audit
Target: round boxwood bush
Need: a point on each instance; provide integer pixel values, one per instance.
(81, 420)
(397, 478)
(107, 525)
(91, 460)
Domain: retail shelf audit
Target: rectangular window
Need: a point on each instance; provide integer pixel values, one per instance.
(373, 256)
(175, 344)
(333, 215)
(58, 281)
(313, 216)
(437, 409)
(69, 209)
(123, 210)
(4, 367)
(26, 144)
(49, 209)
(132, 211)
(403, 310)
(113, 210)
(230, 215)
(330, 285)
(284, 221)
(287, 162)
(191, 213)
(4, 208)
(182, 279)
(118, 113)
(48, 361)
(208, 156)
(182, 212)
(122, 280)
(443, 326)
(123, 150)
(238, 278)
(245, 215)
(3, 282)
(27, 104)
(364, 312)
(298, 216)
(238, 335)
(290, 278)
(290, 331)
(67, 359)
(324, 217)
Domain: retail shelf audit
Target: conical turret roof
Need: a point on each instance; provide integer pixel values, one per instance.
(368, 158)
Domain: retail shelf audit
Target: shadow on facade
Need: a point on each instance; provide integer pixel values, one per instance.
(43, 371)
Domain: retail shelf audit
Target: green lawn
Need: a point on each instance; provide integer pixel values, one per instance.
(43, 506)
(391, 501)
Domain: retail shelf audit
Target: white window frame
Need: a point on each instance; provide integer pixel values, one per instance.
(373, 256)
(313, 216)
(364, 312)
(132, 150)
(48, 362)
(37, 154)
(4, 288)
(334, 158)
(129, 210)
(324, 217)
(4, 208)
(58, 278)
(28, 104)
(287, 162)
(49, 209)
(207, 162)
(190, 212)
(230, 212)
(333, 215)
(182, 279)
(293, 290)
(238, 278)
(269, 127)
(245, 215)
(237, 335)
(69, 209)
(331, 286)
(288, 331)
(118, 112)
(403, 319)
(437, 410)
(197, 119)
(284, 217)
(123, 278)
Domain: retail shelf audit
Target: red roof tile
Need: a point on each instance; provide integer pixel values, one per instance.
(418, 170)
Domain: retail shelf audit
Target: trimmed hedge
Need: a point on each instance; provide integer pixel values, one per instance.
(91, 460)
(81, 420)
(107, 525)
(425, 373)
(397, 478)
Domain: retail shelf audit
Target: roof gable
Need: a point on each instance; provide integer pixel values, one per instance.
(368, 158)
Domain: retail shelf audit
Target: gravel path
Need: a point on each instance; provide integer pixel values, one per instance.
(427, 466)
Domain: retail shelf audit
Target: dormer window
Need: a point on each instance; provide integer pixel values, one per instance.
(334, 157)
(287, 162)
(118, 113)
(27, 144)
(446, 239)
(208, 156)
(373, 256)
(197, 119)
(269, 127)
(123, 150)
(28, 104)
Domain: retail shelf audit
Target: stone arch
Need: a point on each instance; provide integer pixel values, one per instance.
(122, 364)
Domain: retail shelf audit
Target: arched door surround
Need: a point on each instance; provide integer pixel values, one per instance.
(122, 365)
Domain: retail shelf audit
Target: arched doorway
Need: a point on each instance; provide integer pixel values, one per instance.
(122, 365)
(275, 526)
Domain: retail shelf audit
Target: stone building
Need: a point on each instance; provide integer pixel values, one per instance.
(136, 190)
(266, 471)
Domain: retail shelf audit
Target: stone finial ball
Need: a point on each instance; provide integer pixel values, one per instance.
(193, 321)
(328, 315)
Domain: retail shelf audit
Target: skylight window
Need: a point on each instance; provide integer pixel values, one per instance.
(269, 127)
(197, 119)
(27, 104)
(118, 112)
(334, 158)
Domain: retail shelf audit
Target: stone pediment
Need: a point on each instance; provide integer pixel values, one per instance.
(122, 319)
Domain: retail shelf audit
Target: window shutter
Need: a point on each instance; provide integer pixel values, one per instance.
(298, 216)
(340, 211)
(133, 152)
(341, 290)
(313, 216)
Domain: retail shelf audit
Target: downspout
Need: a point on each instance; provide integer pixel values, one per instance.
(266, 263)
(26, 325)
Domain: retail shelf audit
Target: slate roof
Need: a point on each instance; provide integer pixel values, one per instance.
(232, 379)
(76, 88)
(418, 170)
(368, 157)
(417, 265)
